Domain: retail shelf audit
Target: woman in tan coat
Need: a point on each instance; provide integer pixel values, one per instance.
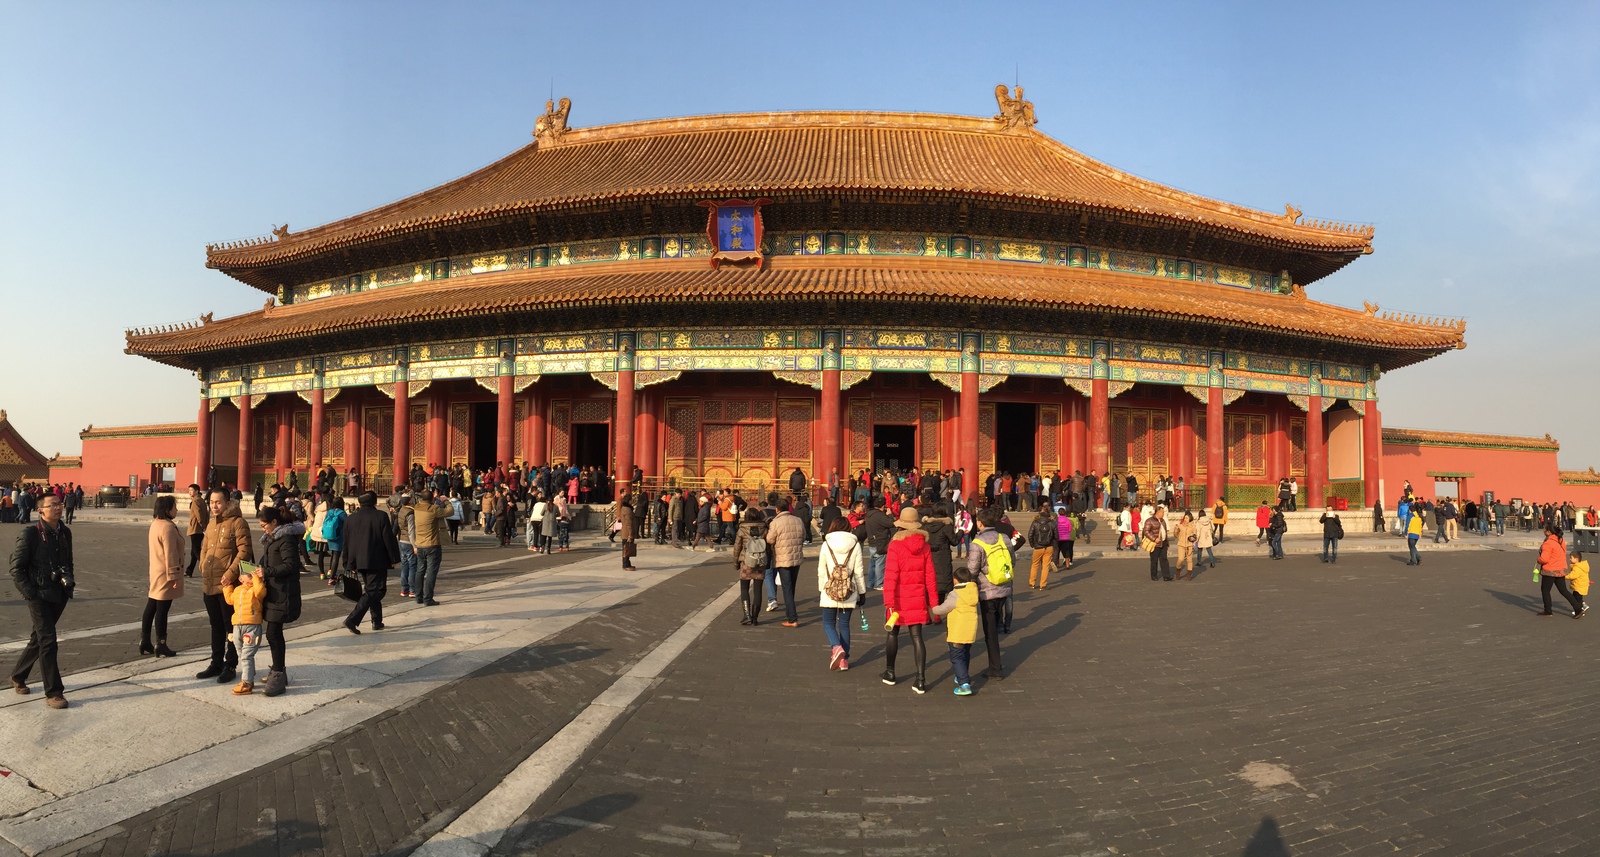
(166, 577)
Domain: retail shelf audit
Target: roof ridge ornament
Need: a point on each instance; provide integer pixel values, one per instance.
(1291, 214)
(1016, 113)
(552, 126)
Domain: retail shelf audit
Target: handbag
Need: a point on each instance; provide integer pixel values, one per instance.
(629, 550)
(349, 586)
(1147, 545)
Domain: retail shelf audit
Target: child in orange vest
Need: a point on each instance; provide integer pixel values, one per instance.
(246, 593)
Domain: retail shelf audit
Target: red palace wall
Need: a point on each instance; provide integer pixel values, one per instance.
(1530, 474)
(133, 451)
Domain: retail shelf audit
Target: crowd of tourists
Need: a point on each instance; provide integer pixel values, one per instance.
(933, 558)
(19, 500)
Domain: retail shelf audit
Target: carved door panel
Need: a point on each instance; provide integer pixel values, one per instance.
(986, 438)
(1139, 438)
(561, 431)
(683, 438)
(756, 467)
(378, 443)
(264, 441)
(460, 438)
(1199, 444)
(930, 414)
(795, 417)
(302, 439)
(1049, 438)
(419, 436)
(860, 436)
(1246, 444)
(333, 452)
(519, 430)
(1297, 447)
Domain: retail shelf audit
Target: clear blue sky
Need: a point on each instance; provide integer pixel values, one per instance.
(1468, 133)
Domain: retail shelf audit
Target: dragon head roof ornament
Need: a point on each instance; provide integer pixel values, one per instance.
(1016, 114)
(552, 126)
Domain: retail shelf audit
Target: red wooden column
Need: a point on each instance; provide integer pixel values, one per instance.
(202, 438)
(1100, 409)
(539, 440)
(318, 416)
(1316, 453)
(1182, 445)
(438, 429)
(968, 415)
(283, 450)
(623, 423)
(1077, 436)
(1372, 452)
(245, 427)
(1216, 433)
(505, 413)
(830, 441)
(352, 437)
(402, 433)
(1278, 456)
(645, 425)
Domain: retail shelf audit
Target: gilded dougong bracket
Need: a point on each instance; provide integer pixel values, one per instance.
(949, 379)
(805, 379)
(851, 378)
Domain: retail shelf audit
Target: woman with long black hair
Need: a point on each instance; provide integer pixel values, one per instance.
(280, 569)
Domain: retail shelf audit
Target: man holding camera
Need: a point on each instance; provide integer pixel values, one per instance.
(41, 568)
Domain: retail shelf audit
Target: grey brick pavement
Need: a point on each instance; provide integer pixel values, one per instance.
(1268, 708)
(385, 785)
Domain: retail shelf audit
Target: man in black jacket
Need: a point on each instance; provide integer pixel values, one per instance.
(370, 549)
(797, 483)
(874, 532)
(41, 568)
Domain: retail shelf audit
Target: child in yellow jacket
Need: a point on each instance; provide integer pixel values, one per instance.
(246, 593)
(1578, 578)
(960, 609)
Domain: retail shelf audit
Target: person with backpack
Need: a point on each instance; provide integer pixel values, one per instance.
(1219, 520)
(1042, 537)
(280, 570)
(909, 594)
(842, 580)
(333, 535)
(1332, 532)
(750, 558)
(991, 563)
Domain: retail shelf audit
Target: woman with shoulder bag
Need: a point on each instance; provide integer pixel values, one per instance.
(752, 574)
(1153, 539)
(280, 569)
(842, 580)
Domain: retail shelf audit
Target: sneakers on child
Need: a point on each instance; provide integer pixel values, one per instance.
(835, 657)
(963, 690)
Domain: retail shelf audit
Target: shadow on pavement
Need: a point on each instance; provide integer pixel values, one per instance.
(539, 832)
(1266, 842)
(1014, 656)
(1526, 602)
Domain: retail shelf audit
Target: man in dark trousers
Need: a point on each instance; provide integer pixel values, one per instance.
(370, 550)
(797, 483)
(41, 568)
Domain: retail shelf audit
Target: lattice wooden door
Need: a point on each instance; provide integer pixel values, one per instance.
(683, 438)
(333, 452)
(1246, 444)
(1049, 438)
(460, 434)
(1139, 438)
(302, 439)
(378, 444)
(986, 438)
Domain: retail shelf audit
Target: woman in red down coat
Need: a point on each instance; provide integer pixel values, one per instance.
(909, 593)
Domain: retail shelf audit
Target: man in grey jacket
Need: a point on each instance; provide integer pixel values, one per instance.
(991, 596)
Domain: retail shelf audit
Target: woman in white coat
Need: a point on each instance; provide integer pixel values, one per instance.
(1124, 526)
(840, 572)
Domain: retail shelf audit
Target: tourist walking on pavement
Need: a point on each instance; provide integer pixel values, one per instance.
(942, 538)
(370, 550)
(428, 514)
(1186, 535)
(1276, 527)
(1219, 520)
(199, 516)
(1154, 539)
(1043, 534)
(909, 594)
(1332, 532)
(1413, 533)
(873, 532)
(227, 543)
(1578, 578)
(991, 563)
(784, 535)
(750, 556)
(842, 580)
(42, 570)
(1263, 520)
(166, 577)
(1553, 572)
(1204, 543)
(960, 609)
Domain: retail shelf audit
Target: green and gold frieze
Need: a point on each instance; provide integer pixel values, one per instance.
(789, 350)
(817, 243)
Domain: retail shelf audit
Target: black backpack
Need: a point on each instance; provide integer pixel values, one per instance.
(1039, 533)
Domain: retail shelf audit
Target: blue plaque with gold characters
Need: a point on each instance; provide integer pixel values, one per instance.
(734, 229)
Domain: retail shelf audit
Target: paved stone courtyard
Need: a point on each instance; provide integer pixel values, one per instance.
(1267, 708)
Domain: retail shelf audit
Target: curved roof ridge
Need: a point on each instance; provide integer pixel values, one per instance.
(797, 151)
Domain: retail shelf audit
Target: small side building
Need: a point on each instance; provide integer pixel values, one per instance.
(19, 461)
(133, 457)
